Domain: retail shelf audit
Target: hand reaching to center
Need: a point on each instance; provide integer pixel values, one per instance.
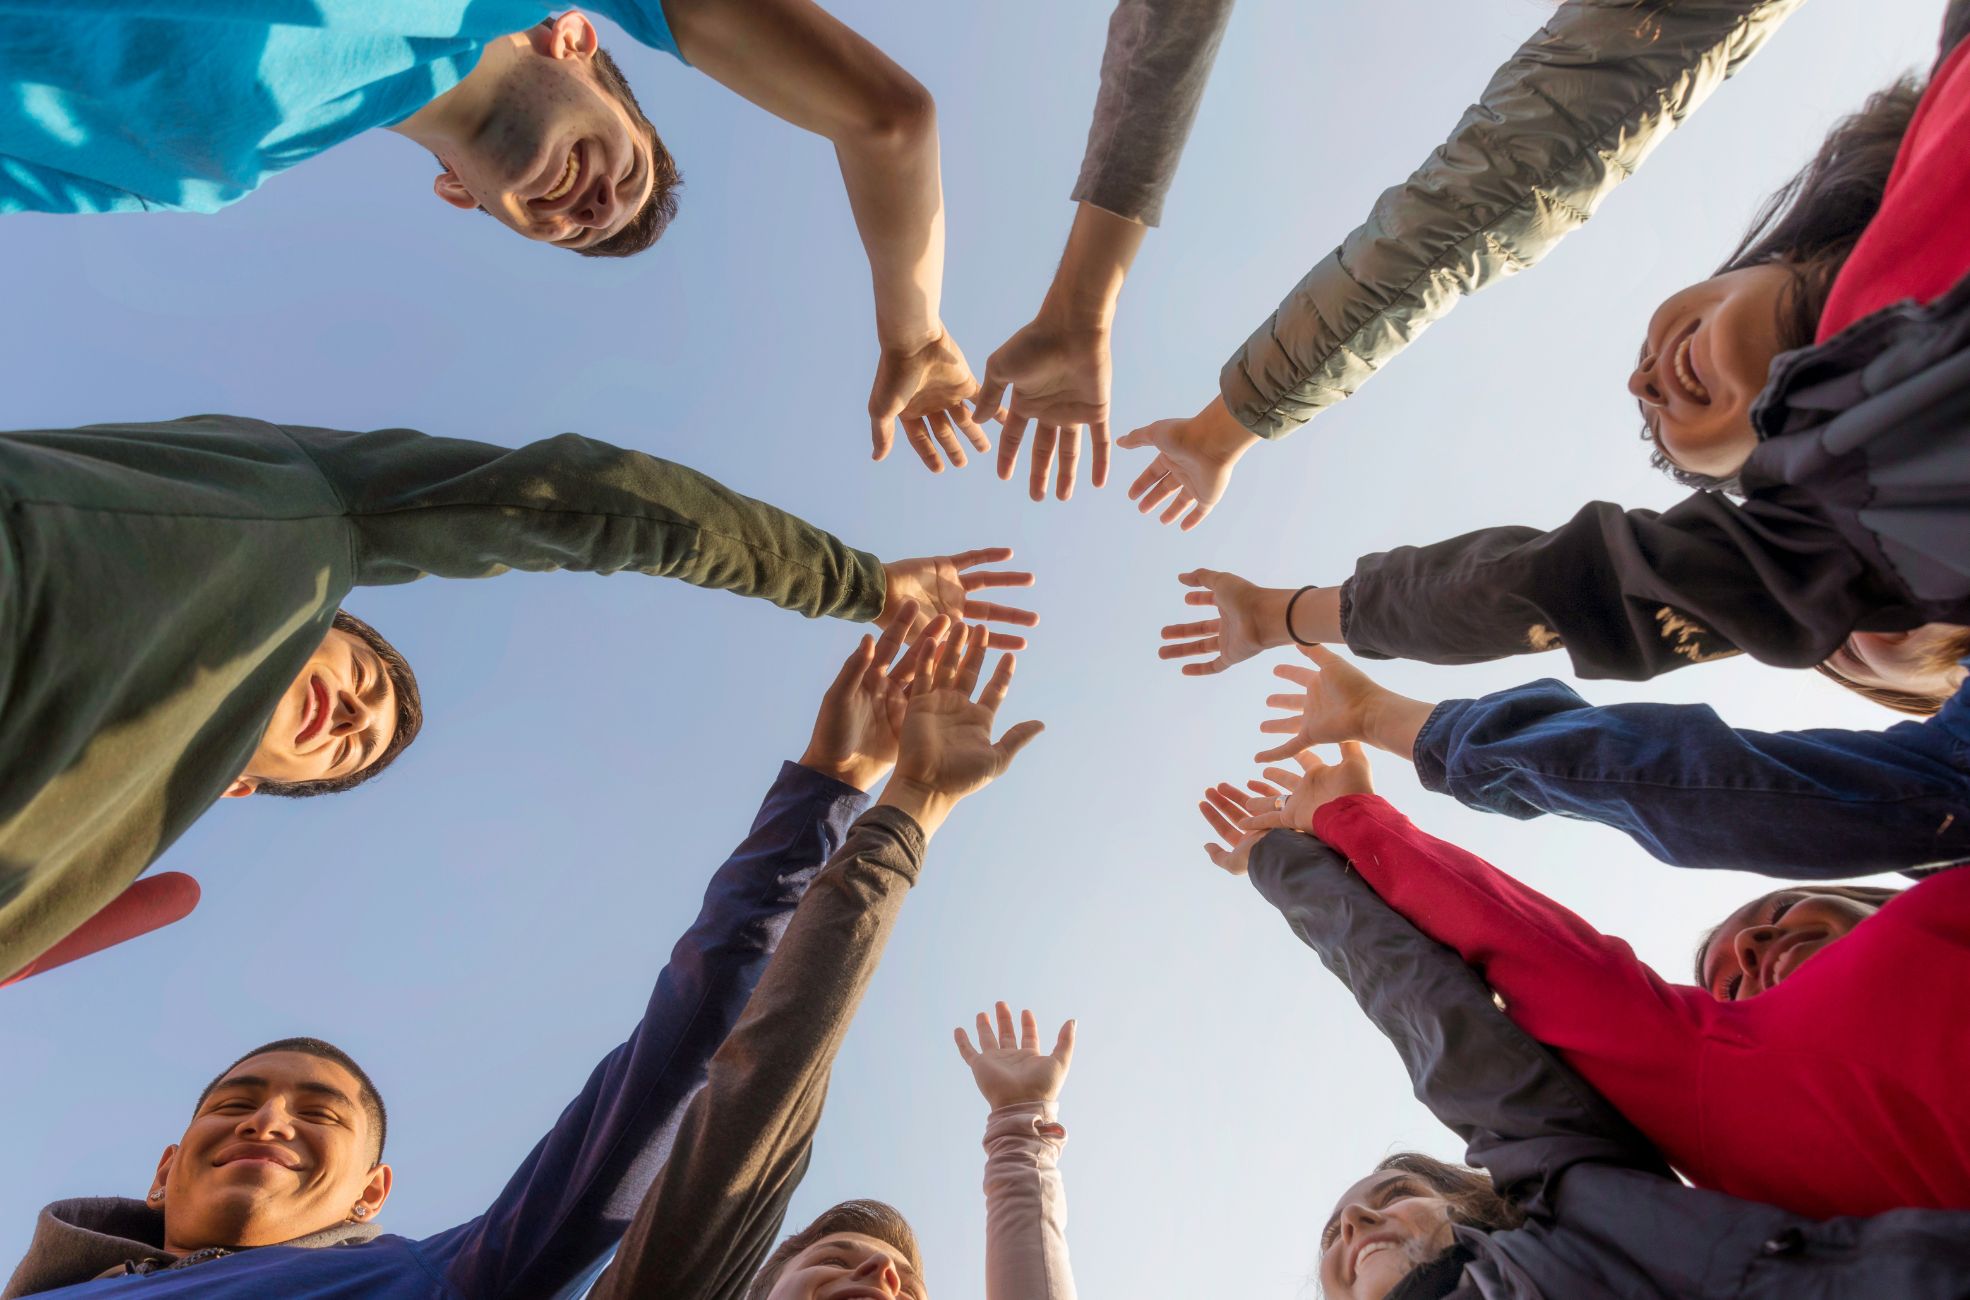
(1010, 1070)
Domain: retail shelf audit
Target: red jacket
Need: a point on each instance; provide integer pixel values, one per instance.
(1846, 1090)
(1918, 244)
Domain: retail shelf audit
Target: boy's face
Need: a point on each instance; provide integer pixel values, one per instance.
(558, 157)
(1703, 363)
(336, 718)
(848, 1266)
(280, 1148)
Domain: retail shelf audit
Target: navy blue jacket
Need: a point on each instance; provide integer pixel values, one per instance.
(571, 1198)
(1695, 792)
(1604, 1215)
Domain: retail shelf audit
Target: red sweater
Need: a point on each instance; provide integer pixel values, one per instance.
(1918, 244)
(1846, 1090)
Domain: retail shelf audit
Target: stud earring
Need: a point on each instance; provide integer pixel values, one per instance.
(362, 1211)
(157, 1193)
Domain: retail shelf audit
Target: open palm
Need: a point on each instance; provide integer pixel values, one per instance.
(1010, 1069)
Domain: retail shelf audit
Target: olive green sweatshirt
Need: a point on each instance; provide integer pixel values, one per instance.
(161, 585)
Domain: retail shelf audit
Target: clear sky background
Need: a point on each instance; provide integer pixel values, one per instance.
(481, 926)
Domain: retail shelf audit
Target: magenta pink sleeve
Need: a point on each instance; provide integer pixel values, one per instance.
(1025, 1205)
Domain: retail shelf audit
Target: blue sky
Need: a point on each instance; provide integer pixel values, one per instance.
(483, 925)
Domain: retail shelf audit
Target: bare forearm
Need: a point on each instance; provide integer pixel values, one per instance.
(1100, 249)
(1392, 722)
(895, 190)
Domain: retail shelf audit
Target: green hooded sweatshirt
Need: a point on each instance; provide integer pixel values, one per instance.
(161, 586)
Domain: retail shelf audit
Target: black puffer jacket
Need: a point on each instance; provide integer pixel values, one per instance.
(1605, 1215)
(1856, 515)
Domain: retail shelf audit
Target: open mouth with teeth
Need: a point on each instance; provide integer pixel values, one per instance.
(1686, 371)
(564, 185)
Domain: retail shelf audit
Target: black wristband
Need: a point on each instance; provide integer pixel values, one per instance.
(1289, 615)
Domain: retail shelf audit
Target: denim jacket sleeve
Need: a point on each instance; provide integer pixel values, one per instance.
(1523, 1114)
(576, 1192)
(1695, 792)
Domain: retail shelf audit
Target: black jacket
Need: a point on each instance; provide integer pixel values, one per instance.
(1856, 515)
(1605, 1217)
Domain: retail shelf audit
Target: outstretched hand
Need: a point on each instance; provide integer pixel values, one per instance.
(1194, 460)
(947, 750)
(943, 585)
(1009, 1070)
(1284, 800)
(1336, 703)
(1059, 379)
(924, 393)
(1249, 619)
(860, 724)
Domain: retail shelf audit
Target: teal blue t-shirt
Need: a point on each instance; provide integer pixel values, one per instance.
(121, 105)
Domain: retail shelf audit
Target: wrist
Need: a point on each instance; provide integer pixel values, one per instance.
(1088, 283)
(1217, 432)
(906, 335)
(860, 772)
(1391, 723)
(1316, 616)
(1270, 616)
(927, 806)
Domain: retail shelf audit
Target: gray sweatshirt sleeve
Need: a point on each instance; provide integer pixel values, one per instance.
(713, 1214)
(1571, 116)
(1153, 72)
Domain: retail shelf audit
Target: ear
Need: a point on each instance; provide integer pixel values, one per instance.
(241, 787)
(377, 1190)
(163, 1175)
(452, 190)
(571, 36)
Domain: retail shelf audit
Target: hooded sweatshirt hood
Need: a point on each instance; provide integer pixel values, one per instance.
(89, 1237)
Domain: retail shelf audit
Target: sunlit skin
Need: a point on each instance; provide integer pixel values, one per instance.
(335, 719)
(1703, 363)
(533, 137)
(1766, 941)
(848, 1266)
(1901, 661)
(279, 1150)
(1382, 1228)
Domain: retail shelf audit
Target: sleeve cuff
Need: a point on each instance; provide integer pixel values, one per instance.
(1432, 751)
(1026, 1119)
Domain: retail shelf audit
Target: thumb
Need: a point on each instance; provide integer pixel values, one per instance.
(1321, 655)
(1278, 752)
(1016, 738)
(1063, 1047)
(1135, 438)
(1354, 756)
(989, 403)
(882, 434)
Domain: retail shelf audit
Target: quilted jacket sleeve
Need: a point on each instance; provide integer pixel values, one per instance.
(1571, 116)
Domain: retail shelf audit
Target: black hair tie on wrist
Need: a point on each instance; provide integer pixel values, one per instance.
(1289, 615)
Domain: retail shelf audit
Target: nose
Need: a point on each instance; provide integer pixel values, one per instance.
(1642, 385)
(1356, 1218)
(879, 1269)
(1749, 949)
(598, 207)
(269, 1121)
(352, 714)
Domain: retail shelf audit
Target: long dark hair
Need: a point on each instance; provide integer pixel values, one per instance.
(1810, 224)
(1474, 1202)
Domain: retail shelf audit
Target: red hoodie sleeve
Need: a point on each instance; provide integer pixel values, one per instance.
(149, 904)
(1632, 1034)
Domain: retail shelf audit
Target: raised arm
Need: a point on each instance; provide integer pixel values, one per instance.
(744, 1144)
(797, 62)
(1523, 1114)
(574, 1194)
(1025, 1200)
(1628, 594)
(1569, 117)
(1695, 792)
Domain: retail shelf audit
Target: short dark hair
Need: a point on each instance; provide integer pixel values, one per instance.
(1809, 227)
(865, 1218)
(410, 716)
(371, 1099)
(1474, 1200)
(1878, 895)
(650, 221)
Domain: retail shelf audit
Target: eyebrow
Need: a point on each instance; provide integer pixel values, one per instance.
(378, 689)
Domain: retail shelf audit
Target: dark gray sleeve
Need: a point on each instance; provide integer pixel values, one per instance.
(1522, 1114)
(1956, 26)
(743, 1146)
(1153, 72)
(1570, 117)
(1629, 594)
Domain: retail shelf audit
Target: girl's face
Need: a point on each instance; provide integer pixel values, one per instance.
(1703, 363)
(1382, 1228)
(1764, 942)
(1916, 662)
